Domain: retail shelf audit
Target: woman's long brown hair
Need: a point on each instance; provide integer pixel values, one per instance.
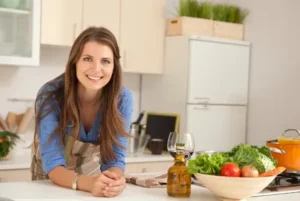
(64, 96)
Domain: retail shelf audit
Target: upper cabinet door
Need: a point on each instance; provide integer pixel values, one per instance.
(142, 35)
(61, 21)
(102, 13)
(218, 72)
(20, 32)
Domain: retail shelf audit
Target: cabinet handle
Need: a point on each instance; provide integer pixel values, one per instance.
(74, 31)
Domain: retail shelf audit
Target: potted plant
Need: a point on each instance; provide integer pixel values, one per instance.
(7, 141)
(208, 19)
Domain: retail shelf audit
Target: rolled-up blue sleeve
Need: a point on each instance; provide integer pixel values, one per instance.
(52, 153)
(126, 109)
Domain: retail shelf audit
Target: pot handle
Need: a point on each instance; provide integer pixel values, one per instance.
(291, 129)
(276, 150)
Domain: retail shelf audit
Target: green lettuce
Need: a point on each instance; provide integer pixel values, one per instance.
(242, 155)
(245, 154)
(207, 164)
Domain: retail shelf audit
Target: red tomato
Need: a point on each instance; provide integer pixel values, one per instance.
(230, 170)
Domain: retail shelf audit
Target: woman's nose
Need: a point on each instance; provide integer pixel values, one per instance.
(98, 66)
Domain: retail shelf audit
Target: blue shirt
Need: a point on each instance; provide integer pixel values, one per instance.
(51, 154)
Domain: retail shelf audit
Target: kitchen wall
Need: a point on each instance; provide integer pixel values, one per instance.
(24, 82)
(274, 104)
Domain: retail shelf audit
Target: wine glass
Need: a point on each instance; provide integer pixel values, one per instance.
(185, 138)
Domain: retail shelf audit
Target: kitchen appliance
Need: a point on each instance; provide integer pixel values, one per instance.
(290, 159)
(285, 182)
(205, 81)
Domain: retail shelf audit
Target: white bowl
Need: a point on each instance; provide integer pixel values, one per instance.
(234, 188)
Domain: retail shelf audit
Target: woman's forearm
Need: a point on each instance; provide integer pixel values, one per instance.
(64, 177)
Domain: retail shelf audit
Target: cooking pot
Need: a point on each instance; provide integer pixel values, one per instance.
(290, 151)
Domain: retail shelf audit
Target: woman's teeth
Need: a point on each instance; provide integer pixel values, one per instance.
(93, 77)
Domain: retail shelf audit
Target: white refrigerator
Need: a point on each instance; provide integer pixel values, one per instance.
(205, 81)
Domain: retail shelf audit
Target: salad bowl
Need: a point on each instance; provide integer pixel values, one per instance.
(234, 188)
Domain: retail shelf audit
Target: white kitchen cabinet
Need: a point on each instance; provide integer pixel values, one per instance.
(142, 36)
(15, 175)
(139, 27)
(102, 13)
(20, 33)
(216, 127)
(218, 73)
(61, 21)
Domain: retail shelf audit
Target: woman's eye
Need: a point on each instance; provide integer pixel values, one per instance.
(105, 61)
(87, 59)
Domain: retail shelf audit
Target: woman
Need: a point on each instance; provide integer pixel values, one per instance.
(82, 119)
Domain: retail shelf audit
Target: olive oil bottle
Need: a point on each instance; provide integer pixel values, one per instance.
(179, 179)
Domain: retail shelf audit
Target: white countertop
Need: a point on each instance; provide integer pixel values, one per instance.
(45, 190)
(20, 157)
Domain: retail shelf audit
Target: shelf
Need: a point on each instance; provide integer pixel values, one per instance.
(14, 11)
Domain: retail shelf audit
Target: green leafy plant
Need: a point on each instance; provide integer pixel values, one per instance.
(189, 8)
(7, 141)
(216, 11)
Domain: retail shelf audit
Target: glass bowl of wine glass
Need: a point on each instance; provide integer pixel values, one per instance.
(181, 138)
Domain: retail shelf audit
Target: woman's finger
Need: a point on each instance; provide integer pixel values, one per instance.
(110, 174)
(119, 188)
(110, 193)
(118, 182)
(104, 179)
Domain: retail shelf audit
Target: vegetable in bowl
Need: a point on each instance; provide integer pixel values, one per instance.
(243, 155)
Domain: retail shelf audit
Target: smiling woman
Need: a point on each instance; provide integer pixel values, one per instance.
(83, 118)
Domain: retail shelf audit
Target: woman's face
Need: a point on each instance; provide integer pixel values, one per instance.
(95, 66)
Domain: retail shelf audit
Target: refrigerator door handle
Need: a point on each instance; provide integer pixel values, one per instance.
(204, 100)
(204, 107)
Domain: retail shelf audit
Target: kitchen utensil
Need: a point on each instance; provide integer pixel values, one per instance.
(4, 124)
(19, 119)
(11, 121)
(143, 141)
(291, 157)
(26, 120)
(234, 188)
(132, 141)
(142, 135)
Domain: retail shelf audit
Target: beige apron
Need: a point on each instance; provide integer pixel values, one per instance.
(81, 157)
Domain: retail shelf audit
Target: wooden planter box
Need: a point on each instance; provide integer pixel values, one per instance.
(189, 26)
(228, 30)
(203, 27)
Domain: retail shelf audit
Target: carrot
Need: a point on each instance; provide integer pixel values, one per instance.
(274, 172)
